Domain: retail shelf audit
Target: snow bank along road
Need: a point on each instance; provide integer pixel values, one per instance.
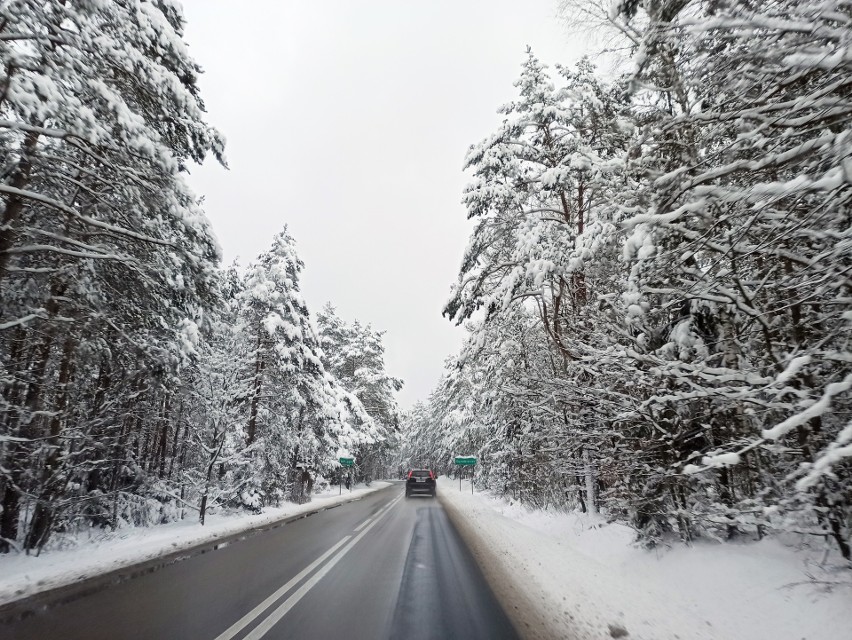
(380, 567)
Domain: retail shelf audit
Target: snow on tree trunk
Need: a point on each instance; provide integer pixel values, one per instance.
(589, 469)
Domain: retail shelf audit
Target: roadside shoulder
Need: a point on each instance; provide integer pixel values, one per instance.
(29, 582)
(520, 604)
(553, 591)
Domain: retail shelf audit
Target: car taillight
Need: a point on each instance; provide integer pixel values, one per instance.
(410, 473)
(431, 476)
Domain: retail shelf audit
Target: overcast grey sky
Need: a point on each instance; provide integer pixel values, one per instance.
(348, 120)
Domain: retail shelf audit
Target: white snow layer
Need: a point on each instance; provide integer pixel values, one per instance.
(22, 575)
(568, 575)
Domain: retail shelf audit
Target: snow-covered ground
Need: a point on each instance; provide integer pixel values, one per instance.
(84, 557)
(584, 579)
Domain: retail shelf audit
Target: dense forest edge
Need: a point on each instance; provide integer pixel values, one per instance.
(141, 382)
(657, 285)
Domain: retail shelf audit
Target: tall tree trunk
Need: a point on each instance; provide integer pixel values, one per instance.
(164, 436)
(255, 399)
(216, 450)
(176, 441)
(579, 278)
(8, 490)
(589, 471)
(21, 457)
(9, 516)
(44, 512)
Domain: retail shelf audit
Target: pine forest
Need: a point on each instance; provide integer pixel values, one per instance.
(656, 292)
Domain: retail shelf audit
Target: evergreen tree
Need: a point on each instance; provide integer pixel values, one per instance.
(106, 261)
(354, 354)
(299, 415)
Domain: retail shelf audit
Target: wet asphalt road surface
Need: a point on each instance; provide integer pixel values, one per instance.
(380, 567)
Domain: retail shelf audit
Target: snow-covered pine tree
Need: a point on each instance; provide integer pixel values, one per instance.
(545, 237)
(299, 415)
(740, 255)
(216, 461)
(105, 259)
(354, 354)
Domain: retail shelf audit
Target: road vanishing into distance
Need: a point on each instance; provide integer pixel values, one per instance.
(380, 567)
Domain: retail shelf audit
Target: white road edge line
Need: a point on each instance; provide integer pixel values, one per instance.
(247, 619)
(363, 524)
(263, 628)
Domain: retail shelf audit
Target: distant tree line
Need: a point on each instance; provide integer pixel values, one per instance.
(139, 381)
(657, 288)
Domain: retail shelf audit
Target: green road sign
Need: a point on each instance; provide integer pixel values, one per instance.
(347, 462)
(465, 461)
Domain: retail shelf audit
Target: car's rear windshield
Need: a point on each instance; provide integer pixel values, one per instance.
(420, 473)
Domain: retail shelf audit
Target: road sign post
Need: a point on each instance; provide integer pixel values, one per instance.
(466, 461)
(348, 463)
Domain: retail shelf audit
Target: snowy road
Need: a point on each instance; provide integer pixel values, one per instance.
(381, 567)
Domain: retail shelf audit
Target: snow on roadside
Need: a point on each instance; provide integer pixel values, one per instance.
(589, 581)
(22, 576)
